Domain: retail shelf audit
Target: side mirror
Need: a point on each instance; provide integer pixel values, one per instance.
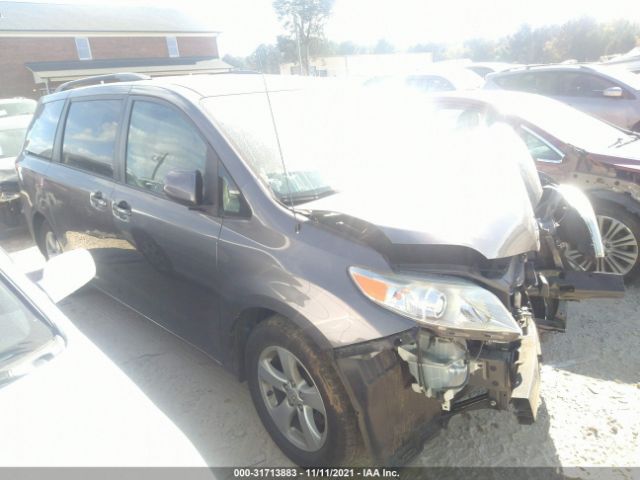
(612, 92)
(65, 273)
(184, 187)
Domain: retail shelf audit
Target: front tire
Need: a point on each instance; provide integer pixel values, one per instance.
(300, 398)
(620, 230)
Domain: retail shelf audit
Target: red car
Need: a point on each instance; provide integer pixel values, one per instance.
(572, 147)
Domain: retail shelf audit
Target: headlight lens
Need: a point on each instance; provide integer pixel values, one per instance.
(445, 304)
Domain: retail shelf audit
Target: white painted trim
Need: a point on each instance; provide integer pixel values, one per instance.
(165, 70)
(22, 33)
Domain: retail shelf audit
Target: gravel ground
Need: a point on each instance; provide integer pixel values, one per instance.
(590, 390)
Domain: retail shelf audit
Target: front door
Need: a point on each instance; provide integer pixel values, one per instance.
(585, 91)
(166, 264)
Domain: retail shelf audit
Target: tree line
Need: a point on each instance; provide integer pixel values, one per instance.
(583, 39)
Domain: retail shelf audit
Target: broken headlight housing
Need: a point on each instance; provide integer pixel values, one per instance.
(446, 305)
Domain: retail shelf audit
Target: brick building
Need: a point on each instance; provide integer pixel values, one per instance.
(45, 44)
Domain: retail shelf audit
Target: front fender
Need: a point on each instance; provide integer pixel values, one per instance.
(619, 198)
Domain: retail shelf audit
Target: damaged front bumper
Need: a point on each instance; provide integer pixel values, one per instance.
(403, 398)
(9, 189)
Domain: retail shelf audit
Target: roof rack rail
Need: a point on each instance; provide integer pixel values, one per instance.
(101, 79)
(556, 64)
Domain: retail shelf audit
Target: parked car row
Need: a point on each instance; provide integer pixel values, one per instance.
(371, 264)
(593, 145)
(574, 148)
(15, 116)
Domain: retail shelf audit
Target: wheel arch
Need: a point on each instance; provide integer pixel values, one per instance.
(624, 200)
(250, 316)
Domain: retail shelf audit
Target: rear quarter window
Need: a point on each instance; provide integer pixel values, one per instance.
(540, 82)
(524, 82)
(42, 133)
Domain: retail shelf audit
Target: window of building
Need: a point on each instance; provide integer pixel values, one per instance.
(90, 135)
(160, 140)
(83, 48)
(172, 47)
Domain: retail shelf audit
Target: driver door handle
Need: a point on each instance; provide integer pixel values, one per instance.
(97, 200)
(121, 210)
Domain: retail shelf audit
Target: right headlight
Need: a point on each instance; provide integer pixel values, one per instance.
(444, 304)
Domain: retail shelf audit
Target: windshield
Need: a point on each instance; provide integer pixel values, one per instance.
(21, 330)
(566, 123)
(11, 142)
(622, 74)
(343, 139)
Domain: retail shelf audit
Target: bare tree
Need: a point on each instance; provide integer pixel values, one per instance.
(305, 19)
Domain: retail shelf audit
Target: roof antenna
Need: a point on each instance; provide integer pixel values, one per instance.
(284, 166)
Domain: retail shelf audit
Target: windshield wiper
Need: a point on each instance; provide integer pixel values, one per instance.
(621, 142)
(305, 197)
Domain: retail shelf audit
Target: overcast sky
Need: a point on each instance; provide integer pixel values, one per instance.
(247, 23)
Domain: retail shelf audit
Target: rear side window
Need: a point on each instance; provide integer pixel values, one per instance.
(525, 82)
(42, 133)
(90, 135)
(160, 139)
(429, 83)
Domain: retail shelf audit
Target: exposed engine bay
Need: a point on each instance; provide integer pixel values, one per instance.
(445, 368)
(458, 370)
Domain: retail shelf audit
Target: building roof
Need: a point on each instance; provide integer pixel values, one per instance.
(74, 69)
(32, 18)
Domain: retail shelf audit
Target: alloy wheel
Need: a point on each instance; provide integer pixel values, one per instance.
(620, 246)
(292, 399)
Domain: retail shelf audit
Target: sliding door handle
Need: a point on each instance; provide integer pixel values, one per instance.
(121, 210)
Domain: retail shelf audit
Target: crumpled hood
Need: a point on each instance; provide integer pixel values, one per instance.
(480, 198)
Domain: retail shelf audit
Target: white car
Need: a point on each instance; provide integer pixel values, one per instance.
(10, 107)
(437, 78)
(62, 401)
(13, 129)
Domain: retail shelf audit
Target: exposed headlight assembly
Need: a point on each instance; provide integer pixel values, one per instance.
(447, 305)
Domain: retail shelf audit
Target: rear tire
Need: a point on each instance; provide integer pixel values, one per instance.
(9, 216)
(336, 438)
(47, 241)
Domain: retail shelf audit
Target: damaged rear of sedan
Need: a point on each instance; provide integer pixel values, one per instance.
(348, 254)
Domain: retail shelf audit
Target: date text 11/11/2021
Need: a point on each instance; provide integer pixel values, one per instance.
(315, 473)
